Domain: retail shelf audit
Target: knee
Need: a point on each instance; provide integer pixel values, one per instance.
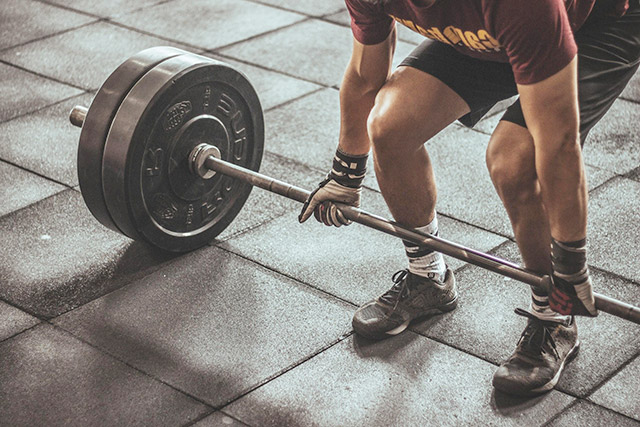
(384, 133)
(513, 174)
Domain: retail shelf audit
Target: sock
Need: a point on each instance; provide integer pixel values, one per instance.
(539, 307)
(423, 261)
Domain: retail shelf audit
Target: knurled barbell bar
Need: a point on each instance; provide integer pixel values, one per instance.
(169, 151)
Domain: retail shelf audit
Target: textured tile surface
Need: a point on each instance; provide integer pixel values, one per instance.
(612, 144)
(406, 380)
(82, 57)
(584, 413)
(207, 24)
(484, 324)
(23, 92)
(263, 206)
(103, 8)
(22, 188)
(21, 25)
(211, 324)
(218, 419)
(288, 50)
(621, 392)
(613, 232)
(14, 321)
(309, 7)
(58, 256)
(45, 142)
(50, 378)
(272, 88)
(355, 262)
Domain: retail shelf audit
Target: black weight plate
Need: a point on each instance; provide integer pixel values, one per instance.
(98, 121)
(149, 189)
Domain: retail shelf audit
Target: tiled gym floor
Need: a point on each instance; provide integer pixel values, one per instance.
(255, 329)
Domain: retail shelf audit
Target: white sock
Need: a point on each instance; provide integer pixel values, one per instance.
(423, 261)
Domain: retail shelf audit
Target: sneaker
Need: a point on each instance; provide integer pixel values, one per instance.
(544, 348)
(411, 297)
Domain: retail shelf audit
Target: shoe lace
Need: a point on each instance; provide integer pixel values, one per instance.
(537, 338)
(398, 291)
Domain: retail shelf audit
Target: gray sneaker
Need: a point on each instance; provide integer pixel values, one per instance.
(410, 297)
(541, 354)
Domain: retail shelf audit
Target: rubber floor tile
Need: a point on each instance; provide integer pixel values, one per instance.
(621, 392)
(21, 188)
(405, 380)
(48, 377)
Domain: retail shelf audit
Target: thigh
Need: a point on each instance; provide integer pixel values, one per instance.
(411, 108)
(480, 83)
(608, 56)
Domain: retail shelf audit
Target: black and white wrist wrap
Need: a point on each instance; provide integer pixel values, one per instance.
(348, 170)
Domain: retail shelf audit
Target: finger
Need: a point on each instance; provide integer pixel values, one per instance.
(342, 219)
(308, 208)
(325, 209)
(333, 215)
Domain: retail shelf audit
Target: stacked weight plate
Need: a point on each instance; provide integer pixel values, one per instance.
(138, 133)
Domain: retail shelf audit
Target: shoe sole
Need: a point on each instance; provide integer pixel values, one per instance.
(441, 309)
(507, 388)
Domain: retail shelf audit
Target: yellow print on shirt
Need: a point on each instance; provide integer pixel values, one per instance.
(479, 41)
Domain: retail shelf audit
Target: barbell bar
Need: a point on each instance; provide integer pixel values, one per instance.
(169, 151)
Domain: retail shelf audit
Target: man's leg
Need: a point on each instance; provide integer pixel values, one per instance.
(411, 108)
(609, 54)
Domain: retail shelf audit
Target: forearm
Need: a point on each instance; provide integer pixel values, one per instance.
(564, 191)
(356, 102)
(367, 72)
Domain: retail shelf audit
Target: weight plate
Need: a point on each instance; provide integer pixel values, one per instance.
(98, 120)
(149, 188)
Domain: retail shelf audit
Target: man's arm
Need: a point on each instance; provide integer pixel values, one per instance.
(551, 112)
(366, 73)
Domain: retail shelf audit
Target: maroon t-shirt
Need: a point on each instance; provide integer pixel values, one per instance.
(534, 36)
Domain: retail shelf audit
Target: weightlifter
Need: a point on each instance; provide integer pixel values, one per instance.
(567, 61)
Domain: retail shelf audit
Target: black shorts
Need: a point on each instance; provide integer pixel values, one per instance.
(608, 56)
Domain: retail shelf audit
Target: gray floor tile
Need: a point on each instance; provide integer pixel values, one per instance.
(484, 324)
(211, 324)
(58, 256)
(288, 51)
(306, 130)
(21, 188)
(632, 91)
(13, 321)
(404, 33)
(406, 380)
(23, 92)
(614, 235)
(355, 262)
(612, 144)
(45, 142)
(218, 419)
(584, 413)
(208, 24)
(263, 206)
(273, 88)
(20, 24)
(82, 57)
(106, 9)
(50, 378)
(309, 7)
(621, 392)
(465, 190)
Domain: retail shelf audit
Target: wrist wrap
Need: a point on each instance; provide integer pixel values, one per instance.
(348, 170)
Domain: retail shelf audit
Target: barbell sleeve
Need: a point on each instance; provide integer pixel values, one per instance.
(471, 256)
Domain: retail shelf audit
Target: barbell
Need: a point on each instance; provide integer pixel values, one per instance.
(170, 149)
